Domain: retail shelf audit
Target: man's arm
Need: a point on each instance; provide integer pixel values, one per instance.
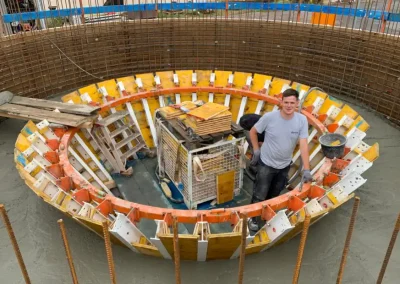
(254, 138)
(304, 153)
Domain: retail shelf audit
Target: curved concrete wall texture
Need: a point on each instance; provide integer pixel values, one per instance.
(362, 65)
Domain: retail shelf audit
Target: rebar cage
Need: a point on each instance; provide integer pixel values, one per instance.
(197, 170)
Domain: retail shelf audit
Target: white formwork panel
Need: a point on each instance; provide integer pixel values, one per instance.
(277, 228)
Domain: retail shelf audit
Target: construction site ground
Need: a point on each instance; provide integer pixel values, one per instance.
(37, 231)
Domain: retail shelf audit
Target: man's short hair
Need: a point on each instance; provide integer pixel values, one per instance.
(289, 93)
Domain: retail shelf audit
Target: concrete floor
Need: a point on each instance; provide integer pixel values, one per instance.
(36, 229)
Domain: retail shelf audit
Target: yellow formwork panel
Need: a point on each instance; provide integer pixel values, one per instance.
(348, 111)
(29, 129)
(251, 105)
(239, 79)
(311, 97)
(259, 82)
(142, 120)
(255, 248)
(221, 78)
(86, 141)
(203, 80)
(111, 87)
(299, 87)
(360, 123)
(372, 153)
(22, 143)
(187, 245)
(129, 84)
(91, 90)
(147, 80)
(276, 86)
(74, 97)
(219, 99)
(185, 80)
(147, 249)
(167, 79)
(234, 106)
(222, 246)
(329, 101)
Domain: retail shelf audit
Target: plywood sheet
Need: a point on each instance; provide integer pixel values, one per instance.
(222, 246)
(225, 186)
(187, 245)
(208, 110)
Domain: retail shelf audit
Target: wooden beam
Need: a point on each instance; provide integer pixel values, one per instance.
(52, 105)
(29, 113)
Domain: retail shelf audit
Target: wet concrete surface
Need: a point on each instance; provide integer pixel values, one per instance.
(36, 229)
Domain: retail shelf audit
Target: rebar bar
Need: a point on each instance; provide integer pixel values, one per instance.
(301, 249)
(110, 259)
(177, 256)
(14, 243)
(348, 239)
(389, 250)
(68, 251)
(242, 248)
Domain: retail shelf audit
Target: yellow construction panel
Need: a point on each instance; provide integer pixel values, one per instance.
(129, 84)
(259, 82)
(29, 128)
(311, 97)
(255, 248)
(299, 87)
(22, 143)
(219, 99)
(239, 79)
(167, 79)
(348, 111)
(185, 80)
(203, 80)
(147, 250)
(187, 245)
(207, 111)
(251, 105)
(142, 120)
(360, 123)
(235, 106)
(91, 90)
(372, 153)
(329, 101)
(225, 186)
(221, 78)
(154, 104)
(147, 80)
(222, 246)
(74, 97)
(111, 87)
(276, 86)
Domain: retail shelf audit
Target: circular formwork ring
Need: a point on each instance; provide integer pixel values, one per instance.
(190, 216)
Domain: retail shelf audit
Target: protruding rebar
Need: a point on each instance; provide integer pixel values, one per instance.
(177, 256)
(348, 239)
(242, 248)
(110, 259)
(67, 251)
(389, 250)
(10, 231)
(301, 249)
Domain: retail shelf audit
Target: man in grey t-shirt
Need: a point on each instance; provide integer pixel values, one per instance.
(282, 129)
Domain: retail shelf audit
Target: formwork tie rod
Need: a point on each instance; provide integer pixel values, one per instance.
(177, 256)
(242, 248)
(110, 259)
(68, 251)
(389, 250)
(301, 249)
(10, 231)
(348, 239)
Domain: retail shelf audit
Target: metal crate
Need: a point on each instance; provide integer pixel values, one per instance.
(177, 162)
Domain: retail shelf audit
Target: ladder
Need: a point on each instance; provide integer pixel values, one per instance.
(118, 135)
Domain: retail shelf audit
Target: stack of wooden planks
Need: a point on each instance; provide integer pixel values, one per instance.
(170, 112)
(219, 123)
(55, 112)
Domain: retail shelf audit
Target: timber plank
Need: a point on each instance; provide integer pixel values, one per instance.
(80, 109)
(29, 113)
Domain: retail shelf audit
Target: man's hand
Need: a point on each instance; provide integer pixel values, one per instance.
(256, 157)
(307, 177)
